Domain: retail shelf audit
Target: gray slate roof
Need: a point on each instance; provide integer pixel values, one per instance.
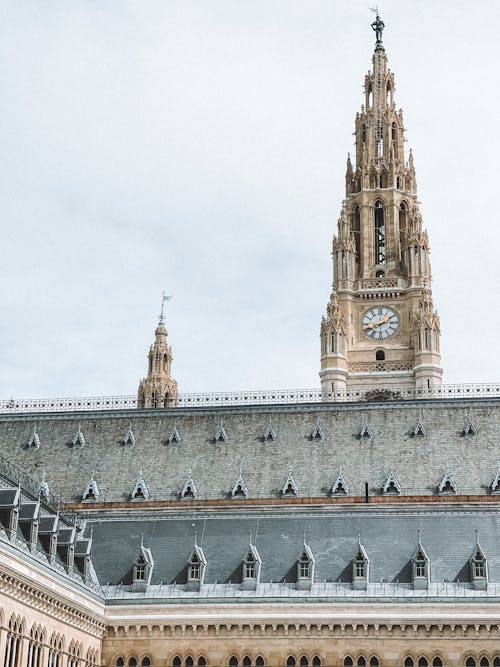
(418, 462)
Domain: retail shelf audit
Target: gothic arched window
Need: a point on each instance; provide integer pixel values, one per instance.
(379, 233)
(363, 134)
(356, 228)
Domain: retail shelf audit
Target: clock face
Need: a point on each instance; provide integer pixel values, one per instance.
(380, 322)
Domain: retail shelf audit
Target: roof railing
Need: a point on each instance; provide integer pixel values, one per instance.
(257, 397)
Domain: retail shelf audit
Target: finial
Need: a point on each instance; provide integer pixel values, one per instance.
(378, 27)
(142, 540)
(163, 299)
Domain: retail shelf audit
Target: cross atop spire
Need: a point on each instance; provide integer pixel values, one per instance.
(378, 27)
(161, 318)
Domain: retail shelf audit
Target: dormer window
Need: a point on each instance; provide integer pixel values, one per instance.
(305, 568)
(339, 487)
(196, 569)
(189, 490)
(479, 568)
(140, 570)
(420, 569)
(251, 569)
(140, 490)
(447, 485)
(290, 488)
(239, 489)
(360, 565)
(143, 569)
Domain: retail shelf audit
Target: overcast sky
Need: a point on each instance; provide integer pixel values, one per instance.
(199, 147)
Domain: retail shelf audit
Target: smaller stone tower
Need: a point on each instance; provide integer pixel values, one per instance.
(158, 389)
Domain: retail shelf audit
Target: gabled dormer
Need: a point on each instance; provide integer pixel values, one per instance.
(83, 553)
(129, 439)
(420, 568)
(305, 568)
(91, 491)
(33, 440)
(360, 569)
(251, 569)
(220, 434)
(269, 433)
(47, 534)
(339, 487)
(289, 488)
(29, 514)
(418, 430)
(9, 509)
(447, 486)
(495, 484)
(478, 568)
(317, 432)
(196, 569)
(143, 569)
(391, 486)
(174, 438)
(365, 432)
(188, 491)
(239, 488)
(469, 429)
(140, 490)
(66, 537)
(78, 441)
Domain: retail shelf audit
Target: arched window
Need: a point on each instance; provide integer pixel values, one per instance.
(259, 661)
(374, 661)
(380, 355)
(470, 662)
(304, 662)
(290, 662)
(348, 661)
(379, 233)
(120, 662)
(484, 662)
(233, 661)
(132, 662)
(403, 220)
(202, 661)
(176, 662)
(356, 229)
(316, 661)
(35, 647)
(247, 661)
(422, 662)
(363, 134)
(496, 661)
(146, 661)
(408, 662)
(165, 362)
(437, 662)
(189, 661)
(361, 661)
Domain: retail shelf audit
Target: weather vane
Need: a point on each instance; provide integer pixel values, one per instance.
(164, 298)
(378, 26)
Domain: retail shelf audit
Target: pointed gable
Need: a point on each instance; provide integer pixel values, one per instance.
(317, 432)
(140, 490)
(78, 439)
(220, 434)
(91, 491)
(447, 485)
(469, 429)
(269, 433)
(391, 485)
(189, 491)
(290, 488)
(365, 433)
(129, 439)
(418, 430)
(174, 438)
(33, 440)
(239, 489)
(339, 487)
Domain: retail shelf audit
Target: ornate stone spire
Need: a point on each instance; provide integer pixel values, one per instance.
(381, 329)
(158, 389)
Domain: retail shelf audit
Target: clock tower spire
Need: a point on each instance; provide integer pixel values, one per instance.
(381, 329)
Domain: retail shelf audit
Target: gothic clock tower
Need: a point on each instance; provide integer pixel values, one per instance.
(381, 329)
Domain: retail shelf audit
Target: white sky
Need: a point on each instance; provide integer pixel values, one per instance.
(199, 147)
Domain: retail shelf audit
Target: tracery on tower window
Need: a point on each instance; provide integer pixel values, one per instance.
(356, 230)
(379, 233)
(403, 225)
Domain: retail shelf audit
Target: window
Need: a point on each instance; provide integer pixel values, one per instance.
(55, 651)
(422, 662)
(146, 661)
(195, 571)
(259, 661)
(176, 662)
(470, 662)
(35, 647)
(132, 662)
(120, 662)
(304, 662)
(484, 662)
(316, 661)
(479, 571)
(189, 661)
(348, 661)
(361, 661)
(379, 233)
(437, 662)
(363, 134)
(380, 355)
(408, 662)
(140, 572)
(360, 568)
(356, 228)
(496, 662)
(202, 661)
(233, 661)
(250, 570)
(304, 568)
(246, 662)
(290, 661)
(374, 662)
